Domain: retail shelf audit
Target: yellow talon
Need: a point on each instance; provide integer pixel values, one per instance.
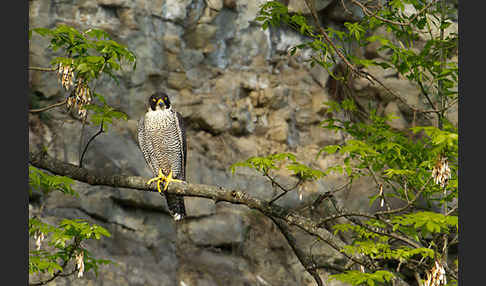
(161, 178)
(169, 179)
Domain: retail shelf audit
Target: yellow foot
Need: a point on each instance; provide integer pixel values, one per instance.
(161, 178)
(169, 179)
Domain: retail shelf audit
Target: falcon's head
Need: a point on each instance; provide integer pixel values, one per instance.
(159, 101)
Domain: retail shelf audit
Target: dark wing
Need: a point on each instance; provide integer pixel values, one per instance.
(182, 137)
(176, 202)
(146, 146)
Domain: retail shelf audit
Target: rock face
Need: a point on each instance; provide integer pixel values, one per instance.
(240, 96)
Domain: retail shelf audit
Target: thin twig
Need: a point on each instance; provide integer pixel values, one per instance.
(346, 8)
(59, 273)
(354, 69)
(349, 214)
(409, 204)
(84, 121)
(311, 8)
(42, 69)
(81, 136)
(426, 94)
(367, 12)
(89, 141)
(48, 107)
(285, 191)
(451, 211)
(380, 186)
(324, 196)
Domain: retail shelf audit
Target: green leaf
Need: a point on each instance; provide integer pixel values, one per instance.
(104, 114)
(47, 183)
(427, 222)
(305, 172)
(331, 149)
(355, 277)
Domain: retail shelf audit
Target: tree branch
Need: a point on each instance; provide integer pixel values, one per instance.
(48, 107)
(59, 273)
(409, 204)
(42, 69)
(369, 13)
(359, 73)
(46, 162)
(304, 259)
(89, 141)
(285, 191)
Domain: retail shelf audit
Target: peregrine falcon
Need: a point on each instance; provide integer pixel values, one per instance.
(162, 139)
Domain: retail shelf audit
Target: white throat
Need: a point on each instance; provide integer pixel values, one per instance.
(160, 109)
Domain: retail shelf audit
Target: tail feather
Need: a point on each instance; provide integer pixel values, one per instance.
(176, 206)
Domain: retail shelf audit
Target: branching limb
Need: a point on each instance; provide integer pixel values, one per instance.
(409, 204)
(44, 161)
(285, 191)
(451, 211)
(304, 259)
(371, 78)
(351, 216)
(324, 196)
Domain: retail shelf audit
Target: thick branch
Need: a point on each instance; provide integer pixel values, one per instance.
(304, 259)
(215, 193)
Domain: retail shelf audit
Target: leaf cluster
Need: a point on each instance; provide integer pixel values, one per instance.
(425, 222)
(65, 239)
(89, 52)
(104, 114)
(392, 156)
(46, 183)
(355, 278)
(276, 161)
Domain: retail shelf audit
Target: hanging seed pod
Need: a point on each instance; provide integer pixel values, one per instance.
(70, 101)
(436, 276)
(441, 172)
(66, 75)
(80, 263)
